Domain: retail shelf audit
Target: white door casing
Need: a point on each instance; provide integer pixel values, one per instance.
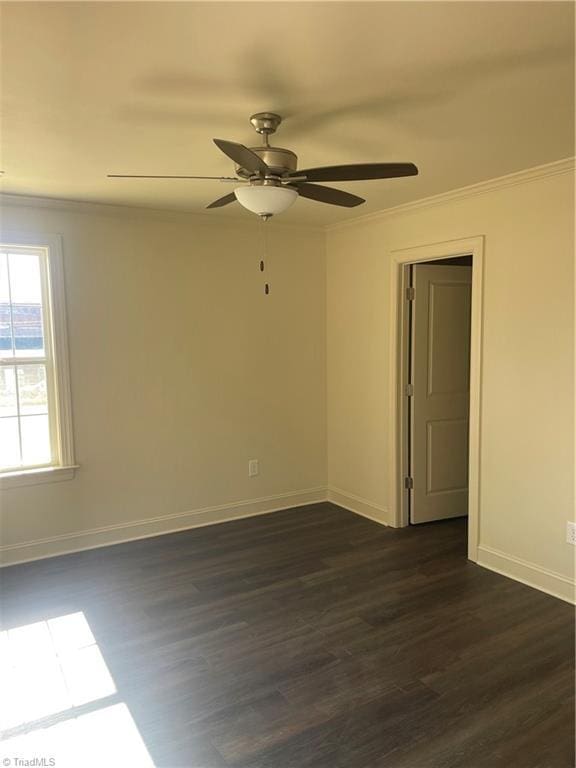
(398, 259)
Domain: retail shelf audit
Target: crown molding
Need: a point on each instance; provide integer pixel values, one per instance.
(8, 199)
(555, 168)
(567, 165)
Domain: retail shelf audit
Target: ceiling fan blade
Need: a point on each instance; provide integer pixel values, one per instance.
(329, 195)
(359, 172)
(138, 176)
(243, 156)
(226, 200)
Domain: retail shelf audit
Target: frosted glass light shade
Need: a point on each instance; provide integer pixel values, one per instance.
(265, 200)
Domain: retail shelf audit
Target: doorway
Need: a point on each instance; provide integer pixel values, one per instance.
(400, 261)
(436, 389)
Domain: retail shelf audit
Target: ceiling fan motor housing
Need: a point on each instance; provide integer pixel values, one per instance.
(279, 160)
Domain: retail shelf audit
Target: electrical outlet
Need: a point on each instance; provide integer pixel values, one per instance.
(571, 533)
(253, 468)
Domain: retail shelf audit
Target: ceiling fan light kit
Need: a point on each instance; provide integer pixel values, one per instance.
(266, 200)
(271, 182)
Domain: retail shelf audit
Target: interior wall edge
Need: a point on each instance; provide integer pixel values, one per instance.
(360, 506)
(121, 533)
(532, 575)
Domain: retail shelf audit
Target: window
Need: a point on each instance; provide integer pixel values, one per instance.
(35, 424)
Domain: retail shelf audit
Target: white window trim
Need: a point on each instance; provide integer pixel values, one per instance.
(63, 466)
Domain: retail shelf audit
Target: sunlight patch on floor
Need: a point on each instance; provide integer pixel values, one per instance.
(105, 738)
(51, 672)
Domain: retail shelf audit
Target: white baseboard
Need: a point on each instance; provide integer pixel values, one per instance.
(359, 505)
(528, 573)
(155, 526)
(507, 565)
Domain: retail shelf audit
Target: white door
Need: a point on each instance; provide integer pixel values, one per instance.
(440, 366)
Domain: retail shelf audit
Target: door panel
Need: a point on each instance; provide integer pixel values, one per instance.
(448, 338)
(440, 349)
(447, 452)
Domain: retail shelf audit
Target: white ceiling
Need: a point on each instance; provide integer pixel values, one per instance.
(466, 90)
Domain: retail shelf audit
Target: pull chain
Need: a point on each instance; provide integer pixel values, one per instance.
(264, 253)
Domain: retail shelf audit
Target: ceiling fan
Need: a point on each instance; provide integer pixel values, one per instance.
(269, 182)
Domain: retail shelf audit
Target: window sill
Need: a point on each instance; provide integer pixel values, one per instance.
(37, 476)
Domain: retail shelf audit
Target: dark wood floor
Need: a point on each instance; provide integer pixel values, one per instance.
(313, 638)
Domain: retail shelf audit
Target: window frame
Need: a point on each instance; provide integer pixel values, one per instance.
(62, 466)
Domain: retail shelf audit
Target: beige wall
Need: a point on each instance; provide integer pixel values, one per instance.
(527, 421)
(170, 405)
(182, 370)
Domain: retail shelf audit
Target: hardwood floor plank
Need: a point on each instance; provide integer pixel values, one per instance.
(314, 638)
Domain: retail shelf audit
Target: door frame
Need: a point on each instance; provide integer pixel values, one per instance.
(399, 258)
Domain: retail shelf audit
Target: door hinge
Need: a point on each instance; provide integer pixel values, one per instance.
(410, 293)
(409, 390)
(408, 483)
